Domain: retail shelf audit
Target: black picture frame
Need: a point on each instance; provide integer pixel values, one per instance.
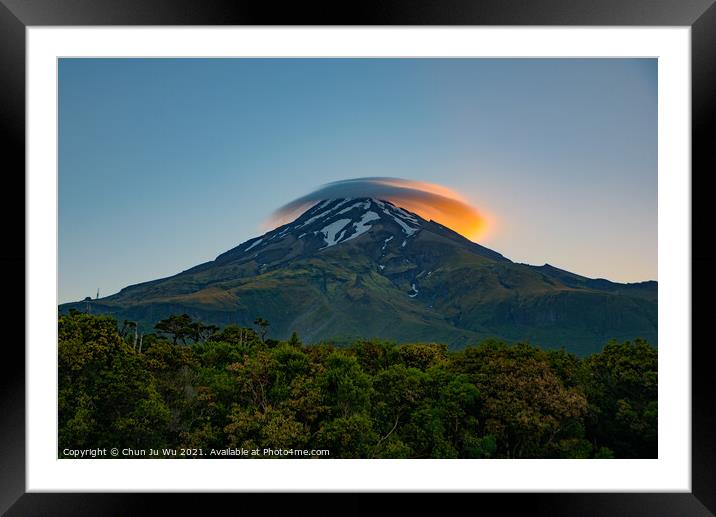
(16, 15)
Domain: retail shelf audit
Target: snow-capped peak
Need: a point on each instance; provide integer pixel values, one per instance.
(363, 214)
(341, 220)
(331, 222)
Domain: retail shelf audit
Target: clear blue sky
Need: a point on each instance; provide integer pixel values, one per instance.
(165, 163)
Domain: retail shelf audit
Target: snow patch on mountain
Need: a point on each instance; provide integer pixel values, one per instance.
(315, 218)
(331, 231)
(254, 244)
(405, 215)
(324, 204)
(321, 215)
(409, 230)
(362, 226)
(364, 204)
(341, 203)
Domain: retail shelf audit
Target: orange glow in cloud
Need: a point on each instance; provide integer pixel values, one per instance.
(430, 201)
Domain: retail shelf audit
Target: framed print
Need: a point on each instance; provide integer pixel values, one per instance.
(431, 252)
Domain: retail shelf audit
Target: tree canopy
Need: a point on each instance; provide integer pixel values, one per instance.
(201, 387)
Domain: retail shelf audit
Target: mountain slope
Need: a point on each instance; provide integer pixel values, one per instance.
(350, 268)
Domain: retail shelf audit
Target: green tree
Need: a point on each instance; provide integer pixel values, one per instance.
(255, 376)
(294, 340)
(269, 428)
(621, 386)
(174, 369)
(263, 326)
(237, 335)
(375, 355)
(179, 328)
(107, 398)
(345, 387)
(422, 356)
(525, 405)
(201, 332)
(349, 436)
(397, 391)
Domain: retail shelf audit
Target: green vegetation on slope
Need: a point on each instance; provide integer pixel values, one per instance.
(192, 386)
(434, 285)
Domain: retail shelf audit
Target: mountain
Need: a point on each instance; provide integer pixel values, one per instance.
(362, 267)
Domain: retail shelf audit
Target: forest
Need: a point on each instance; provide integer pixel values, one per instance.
(196, 387)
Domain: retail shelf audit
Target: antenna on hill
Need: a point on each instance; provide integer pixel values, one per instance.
(97, 294)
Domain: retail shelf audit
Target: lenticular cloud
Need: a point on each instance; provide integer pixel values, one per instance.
(428, 200)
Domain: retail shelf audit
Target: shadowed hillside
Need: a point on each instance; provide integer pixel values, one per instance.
(364, 268)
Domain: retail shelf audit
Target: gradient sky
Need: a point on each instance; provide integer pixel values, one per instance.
(166, 163)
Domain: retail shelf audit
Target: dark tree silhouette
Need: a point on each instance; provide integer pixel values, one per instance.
(263, 327)
(178, 327)
(201, 332)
